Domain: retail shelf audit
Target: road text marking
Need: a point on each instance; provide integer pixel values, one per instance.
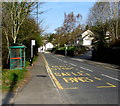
(108, 86)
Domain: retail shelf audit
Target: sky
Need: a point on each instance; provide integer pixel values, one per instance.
(54, 13)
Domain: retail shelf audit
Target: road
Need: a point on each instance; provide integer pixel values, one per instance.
(79, 82)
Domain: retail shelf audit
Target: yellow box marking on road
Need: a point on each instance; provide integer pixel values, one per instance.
(80, 73)
(57, 74)
(108, 86)
(65, 79)
(77, 79)
(68, 68)
(53, 68)
(97, 78)
(65, 74)
(87, 74)
(74, 79)
(74, 74)
(62, 66)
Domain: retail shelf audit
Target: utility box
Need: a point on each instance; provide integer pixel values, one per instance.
(17, 56)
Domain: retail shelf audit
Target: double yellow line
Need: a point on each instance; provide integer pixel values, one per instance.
(53, 77)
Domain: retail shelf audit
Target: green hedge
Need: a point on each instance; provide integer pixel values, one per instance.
(69, 48)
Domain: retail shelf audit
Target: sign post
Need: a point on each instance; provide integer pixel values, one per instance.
(32, 44)
(66, 50)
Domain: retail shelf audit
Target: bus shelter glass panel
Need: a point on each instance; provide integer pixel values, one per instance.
(17, 57)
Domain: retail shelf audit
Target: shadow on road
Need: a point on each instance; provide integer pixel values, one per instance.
(10, 93)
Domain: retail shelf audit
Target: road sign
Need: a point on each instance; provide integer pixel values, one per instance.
(33, 42)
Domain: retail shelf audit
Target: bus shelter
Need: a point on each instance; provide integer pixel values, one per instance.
(17, 57)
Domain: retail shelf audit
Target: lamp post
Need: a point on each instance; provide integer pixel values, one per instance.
(66, 50)
(77, 42)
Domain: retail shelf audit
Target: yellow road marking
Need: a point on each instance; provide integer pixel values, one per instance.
(65, 74)
(54, 78)
(45, 60)
(53, 68)
(109, 86)
(57, 74)
(77, 79)
(97, 78)
(72, 88)
(80, 73)
(74, 74)
(62, 66)
(88, 74)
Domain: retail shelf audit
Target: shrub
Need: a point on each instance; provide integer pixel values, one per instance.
(61, 48)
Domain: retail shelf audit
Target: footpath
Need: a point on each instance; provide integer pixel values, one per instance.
(38, 90)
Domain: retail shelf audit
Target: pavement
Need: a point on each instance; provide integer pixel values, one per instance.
(39, 89)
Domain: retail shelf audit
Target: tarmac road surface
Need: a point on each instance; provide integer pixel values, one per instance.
(82, 83)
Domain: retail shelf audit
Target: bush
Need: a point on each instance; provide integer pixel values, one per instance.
(10, 78)
(61, 48)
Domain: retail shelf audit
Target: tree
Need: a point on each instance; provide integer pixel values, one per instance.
(104, 15)
(17, 26)
(69, 29)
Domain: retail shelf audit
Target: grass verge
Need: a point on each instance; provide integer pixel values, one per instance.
(11, 79)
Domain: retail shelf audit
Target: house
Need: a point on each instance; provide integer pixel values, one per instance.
(48, 46)
(41, 49)
(87, 38)
(84, 39)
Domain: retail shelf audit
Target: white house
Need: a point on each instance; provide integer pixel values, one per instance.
(48, 46)
(87, 38)
(84, 39)
(41, 49)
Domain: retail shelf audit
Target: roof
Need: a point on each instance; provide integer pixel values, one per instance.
(88, 32)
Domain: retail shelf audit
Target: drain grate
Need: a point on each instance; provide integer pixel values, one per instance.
(41, 75)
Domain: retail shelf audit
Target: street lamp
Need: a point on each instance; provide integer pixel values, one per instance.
(66, 49)
(77, 42)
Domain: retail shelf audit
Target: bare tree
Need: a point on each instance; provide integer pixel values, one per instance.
(106, 14)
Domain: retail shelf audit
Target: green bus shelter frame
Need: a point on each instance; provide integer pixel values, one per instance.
(17, 59)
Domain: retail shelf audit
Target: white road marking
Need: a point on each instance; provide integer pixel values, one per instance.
(110, 77)
(72, 64)
(60, 59)
(86, 69)
(77, 59)
(65, 61)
